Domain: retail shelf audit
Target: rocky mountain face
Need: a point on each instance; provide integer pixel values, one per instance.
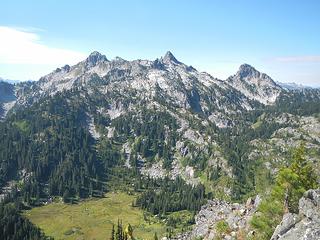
(255, 85)
(306, 224)
(177, 84)
(293, 131)
(7, 97)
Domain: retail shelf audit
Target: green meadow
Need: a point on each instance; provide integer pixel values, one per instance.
(93, 218)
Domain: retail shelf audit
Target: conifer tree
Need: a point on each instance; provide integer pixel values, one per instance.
(112, 233)
(155, 236)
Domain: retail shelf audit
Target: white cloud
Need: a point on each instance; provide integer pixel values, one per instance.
(315, 58)
(23, 46)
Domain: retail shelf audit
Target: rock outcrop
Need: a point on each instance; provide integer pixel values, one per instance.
(306, 224)
(235, 216)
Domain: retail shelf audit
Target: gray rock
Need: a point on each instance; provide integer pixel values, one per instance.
(257, 201)
(302, 226)
(309, 205)
(236, 215)
(288, 222)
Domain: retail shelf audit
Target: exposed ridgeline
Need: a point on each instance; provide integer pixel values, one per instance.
(164, 81)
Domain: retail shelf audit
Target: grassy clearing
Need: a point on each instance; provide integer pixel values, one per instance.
(259, 122)
(217, 187)
(22, 125)
(93, 219)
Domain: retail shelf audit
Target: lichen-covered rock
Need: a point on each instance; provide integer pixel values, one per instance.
(306, 224)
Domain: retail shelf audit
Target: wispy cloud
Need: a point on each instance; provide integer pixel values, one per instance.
(314, 58)
(23, 46)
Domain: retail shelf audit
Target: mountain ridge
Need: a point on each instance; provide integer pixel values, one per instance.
(169, 74)
(294, 86)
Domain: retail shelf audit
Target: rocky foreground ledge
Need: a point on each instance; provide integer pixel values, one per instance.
(236, 218)
(306, 224)
(218, 215)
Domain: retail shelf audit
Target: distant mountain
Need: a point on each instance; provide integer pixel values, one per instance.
(9, 80)
(255, 85)
(293, 86)
(165, 79)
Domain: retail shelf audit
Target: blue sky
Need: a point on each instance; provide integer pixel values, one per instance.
(281, 38)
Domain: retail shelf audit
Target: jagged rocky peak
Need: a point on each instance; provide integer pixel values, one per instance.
(65, 68)
(250, 74)
(169, 58)
(246, 70)
(171, 75)
(119, 59)
(255, 85)
(95, 58)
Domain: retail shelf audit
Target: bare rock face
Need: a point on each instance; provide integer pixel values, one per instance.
(306, 224)
(236, 216)
(255, 85)
(7, 98)
(165, 80)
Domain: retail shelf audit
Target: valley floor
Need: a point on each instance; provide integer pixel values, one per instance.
(93, 219)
